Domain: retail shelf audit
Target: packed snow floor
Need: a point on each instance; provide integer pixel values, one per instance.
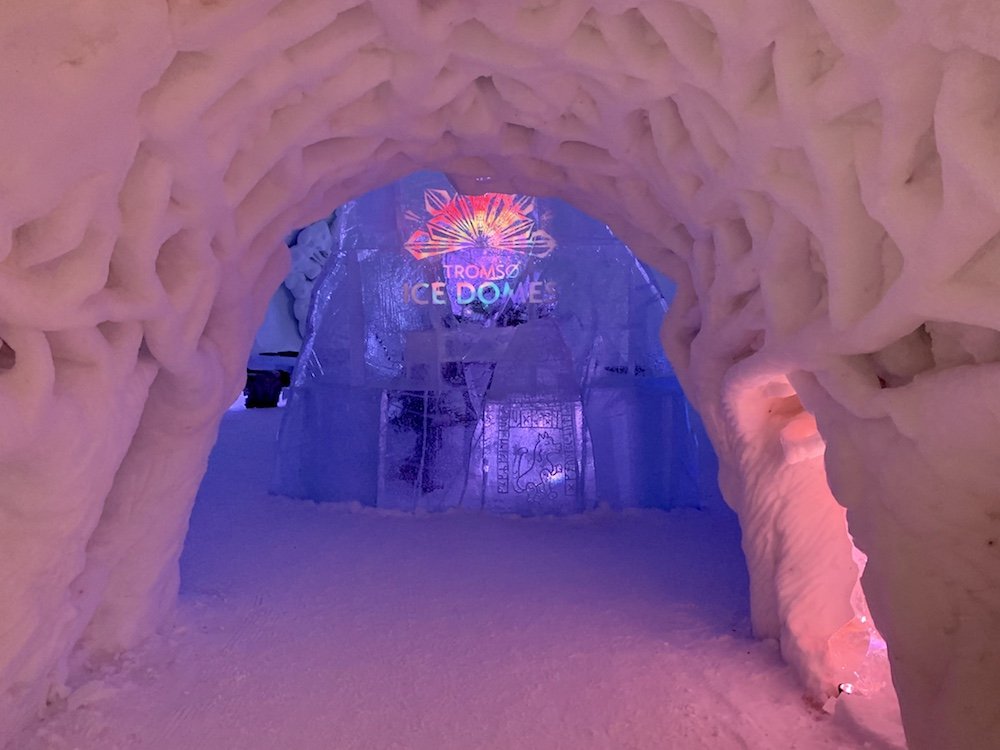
(319, 627)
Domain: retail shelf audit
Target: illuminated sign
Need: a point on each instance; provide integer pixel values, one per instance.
(485, 244)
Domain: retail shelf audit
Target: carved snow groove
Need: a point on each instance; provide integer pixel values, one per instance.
(710, 127)
(818, 177)
(854, 30)
(183, 89)
(957, 344)
(759, 79)
(8, 357)
(793, 180)
(689, 34)
(925, 169)
(638, 44)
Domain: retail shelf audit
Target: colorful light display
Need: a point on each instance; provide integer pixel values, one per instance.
(493, 221)
(490, 239)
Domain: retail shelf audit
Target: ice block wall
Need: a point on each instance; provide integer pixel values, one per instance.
(819, 177)
(503, 353)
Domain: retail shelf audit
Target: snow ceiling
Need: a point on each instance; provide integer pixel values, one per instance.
(820, 177)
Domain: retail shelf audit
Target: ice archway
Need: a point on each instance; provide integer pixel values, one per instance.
(819, 176)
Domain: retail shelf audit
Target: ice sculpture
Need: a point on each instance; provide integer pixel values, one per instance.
(310, 250)
(278, 332)
(285, 321)
(489, 368)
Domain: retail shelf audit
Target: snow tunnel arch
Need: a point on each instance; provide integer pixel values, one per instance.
(796, 166)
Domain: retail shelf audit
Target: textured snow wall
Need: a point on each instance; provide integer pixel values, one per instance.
(820, 177)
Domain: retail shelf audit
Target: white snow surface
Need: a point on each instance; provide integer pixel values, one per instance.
(318, 626)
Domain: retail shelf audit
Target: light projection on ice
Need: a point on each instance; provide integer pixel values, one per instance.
(493, 221)
(489, 240)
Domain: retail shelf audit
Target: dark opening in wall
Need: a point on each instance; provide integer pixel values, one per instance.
(7, 356)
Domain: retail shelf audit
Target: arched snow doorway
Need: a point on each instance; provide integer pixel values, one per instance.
(216, 274)
(811, 184)
(359, 329)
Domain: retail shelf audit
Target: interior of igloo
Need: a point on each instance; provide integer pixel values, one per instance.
(817, 177)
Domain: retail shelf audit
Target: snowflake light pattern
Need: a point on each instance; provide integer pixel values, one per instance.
(493, 221)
